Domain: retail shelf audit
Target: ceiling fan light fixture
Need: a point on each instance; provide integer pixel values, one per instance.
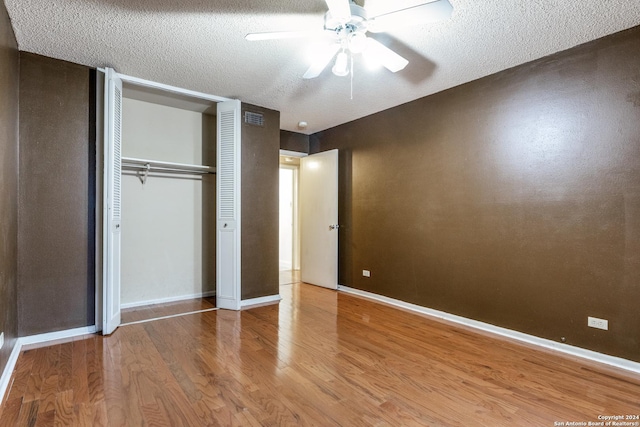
(339, 9)
(341, 67)
(357, 42)
(348, 24)
(370, 60)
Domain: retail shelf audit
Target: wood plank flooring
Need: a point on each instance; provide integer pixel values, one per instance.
(289, 277)
(318, 358)
(154, 311)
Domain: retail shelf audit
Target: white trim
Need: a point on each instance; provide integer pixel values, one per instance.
(167, 88)
(293, 153)
(101, 79)
(618, 362)
(32, 340)
(8, 370)
(167, 300)
(100, 252)
(58, 335)
(169, 316)
(270, 299)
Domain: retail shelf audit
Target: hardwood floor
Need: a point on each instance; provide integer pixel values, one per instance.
(289, 277)
(154, 311)
(318, 358)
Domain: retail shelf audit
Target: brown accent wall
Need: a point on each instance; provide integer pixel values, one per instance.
(513, 200)
(294, 141)
(55, 236)
(259, 186)
(9, 83)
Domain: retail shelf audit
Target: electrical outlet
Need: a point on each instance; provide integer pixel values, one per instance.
(1, 340)
(594, 322)
(366, 273)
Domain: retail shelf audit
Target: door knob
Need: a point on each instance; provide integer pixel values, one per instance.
(334, 227)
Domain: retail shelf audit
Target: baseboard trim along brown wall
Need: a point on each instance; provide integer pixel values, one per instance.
(260, 177)
(56, 283)
(617, 362)
(9, 113)
(513, 200)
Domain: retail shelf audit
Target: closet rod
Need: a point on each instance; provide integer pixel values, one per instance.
(146, 164)
(141, 168)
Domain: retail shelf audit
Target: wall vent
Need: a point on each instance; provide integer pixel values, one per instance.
(255, 119)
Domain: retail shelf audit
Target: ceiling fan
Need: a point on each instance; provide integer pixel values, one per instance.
(348, 24)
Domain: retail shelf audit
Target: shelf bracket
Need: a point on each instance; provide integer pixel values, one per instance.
(142, 175)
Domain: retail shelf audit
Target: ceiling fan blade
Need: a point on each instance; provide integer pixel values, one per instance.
(339, 9)
(385, 56)
(323, 58)
(278, 35)
(438, 10)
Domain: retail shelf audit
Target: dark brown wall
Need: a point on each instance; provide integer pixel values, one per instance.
(294, 141)
(259, 186)
(55, 277)
(513, 200)
(9, 82)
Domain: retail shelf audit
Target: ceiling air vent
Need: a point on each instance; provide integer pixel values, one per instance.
(255, 119)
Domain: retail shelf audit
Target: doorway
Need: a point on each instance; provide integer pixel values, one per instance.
(309, 218)
(168, 191)
(227, 206)
(289, 229)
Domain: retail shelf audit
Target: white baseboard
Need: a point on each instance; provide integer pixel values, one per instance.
(271, 299)
(519, 336)
(8, 370)
(32, 341)
(167, 300)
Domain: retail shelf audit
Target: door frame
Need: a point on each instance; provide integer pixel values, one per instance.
(295, 226)
(295, 265)
(100, 219)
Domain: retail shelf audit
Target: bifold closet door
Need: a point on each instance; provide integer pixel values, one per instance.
(228, 206)
(112, 202)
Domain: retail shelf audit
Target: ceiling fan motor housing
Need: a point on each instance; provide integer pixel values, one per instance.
(357, 21)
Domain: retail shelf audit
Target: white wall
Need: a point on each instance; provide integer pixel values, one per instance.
(286, 219)
(168, 234)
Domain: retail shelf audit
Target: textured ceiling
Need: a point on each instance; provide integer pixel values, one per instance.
(200, 45)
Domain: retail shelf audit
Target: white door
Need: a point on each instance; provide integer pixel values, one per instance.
(112, 202)
(319, 219)
(228, 206)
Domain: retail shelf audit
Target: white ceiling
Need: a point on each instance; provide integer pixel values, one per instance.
(200, 45)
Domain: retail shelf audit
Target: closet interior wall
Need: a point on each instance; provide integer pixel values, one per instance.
(168, 221)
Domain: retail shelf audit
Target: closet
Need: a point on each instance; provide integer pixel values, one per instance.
(168, 237)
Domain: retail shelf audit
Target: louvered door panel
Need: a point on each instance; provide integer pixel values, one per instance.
(117, 152)
(112, 202)
(226, 169)
(228, 206)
